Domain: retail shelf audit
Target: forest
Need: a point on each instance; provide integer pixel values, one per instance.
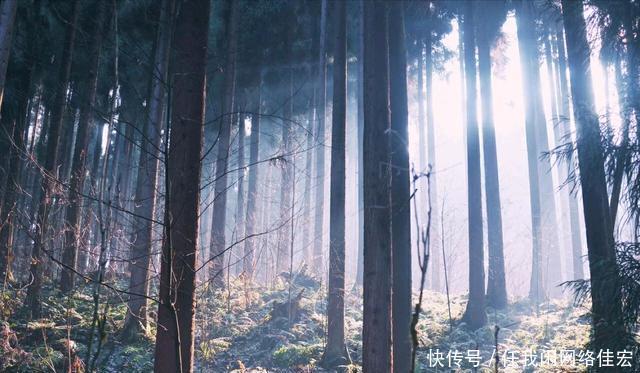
(319, 186)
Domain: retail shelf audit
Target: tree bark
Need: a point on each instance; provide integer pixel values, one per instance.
(631, 106)
(496, 285)
(528, 62)
(239, 218)
(556, 121)
(474, 316)
(564, 112)
(551, 258)
(174, 338)
(360, 154)
(335, 353)
(435, 259)
(318, 247)
(608, 329)
(622, 152)
(376, 335)
(306, 197)
(423, 164)
(252, 200)
(400, 191)
(287, 178)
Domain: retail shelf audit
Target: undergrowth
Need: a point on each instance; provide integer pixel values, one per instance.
(245, 330)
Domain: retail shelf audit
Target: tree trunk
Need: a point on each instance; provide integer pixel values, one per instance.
(622, 152)
(288, 160)
(423, 164)
(474, 316)
(252, 200)
(400, 191)
(50, 165)
(496, 285)
(84, 256)
(219, 216)
(376, 334)
(551, 258)
(556, 120)
(463, 84)
(526, 40)
(76, 186)
(335, 353)
(320, 138)
(145, 190)
(7, 21)
(565, 115)
(608, 329)
(122, 186)
(174, 338)
(306, 197)
(66, 146)
(432, 196)
(19, 106)
(631, 106)
(360, 154)
(239, 218)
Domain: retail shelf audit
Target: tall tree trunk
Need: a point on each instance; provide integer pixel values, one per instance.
(128, 118)
(556, 121)
(50, 165)
(265, 224)
(608, 329)
(335, 353)
(252, 193)
(622, 152)
(145, 190)
(360, 154)
(551, 258)
(400, 191)
(219, 216)
(496, 285)
(474, 315)
(376, 334)
(463, 84)
(7, 20)
(19, 106)
(286, 196)
(73, 213)
(631, 107)
(565, 115)
(549, 61)
(435, 259)
(84, 256)
(174, 338)
(239, 218)
(306, 197)
(320, 138)
(66, 146)
(422, 203)
(526, 40)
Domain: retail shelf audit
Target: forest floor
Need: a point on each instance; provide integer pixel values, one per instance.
(253, 330)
